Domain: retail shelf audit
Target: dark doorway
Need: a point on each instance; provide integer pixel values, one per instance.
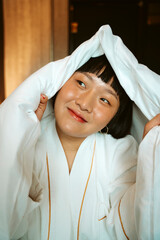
(128, 19)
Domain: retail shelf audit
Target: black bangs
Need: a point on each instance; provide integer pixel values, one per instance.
(99, 66)
(102, 68)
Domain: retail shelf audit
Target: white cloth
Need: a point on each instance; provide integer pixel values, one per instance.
(112, 174)
(20, 131)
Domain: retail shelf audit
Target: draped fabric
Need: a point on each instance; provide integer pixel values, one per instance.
(21, 130)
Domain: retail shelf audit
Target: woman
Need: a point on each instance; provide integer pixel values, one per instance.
(89, 192)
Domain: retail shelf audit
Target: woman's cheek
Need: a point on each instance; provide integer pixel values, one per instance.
(101, 116)
(71, 93)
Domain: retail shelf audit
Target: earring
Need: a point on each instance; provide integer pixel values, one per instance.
(104, 130)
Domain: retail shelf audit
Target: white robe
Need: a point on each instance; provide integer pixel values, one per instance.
(131, 209)
(113, 172)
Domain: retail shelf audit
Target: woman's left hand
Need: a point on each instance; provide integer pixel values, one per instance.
(152, 123)
(41, 107)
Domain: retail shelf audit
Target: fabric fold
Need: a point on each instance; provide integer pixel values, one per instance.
(20, 129)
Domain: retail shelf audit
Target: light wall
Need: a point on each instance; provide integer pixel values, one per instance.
(35, 33)
(60, 28)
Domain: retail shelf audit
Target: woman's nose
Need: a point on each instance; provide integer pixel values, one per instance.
(86, 101)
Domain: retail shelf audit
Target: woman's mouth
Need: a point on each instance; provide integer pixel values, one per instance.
(76, 116)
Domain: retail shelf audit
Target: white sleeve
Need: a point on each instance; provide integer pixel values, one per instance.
(120, 222)
(19, 131)
(135, 213)
(147, 201)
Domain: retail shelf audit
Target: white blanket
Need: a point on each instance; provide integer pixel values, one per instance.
(20, 128)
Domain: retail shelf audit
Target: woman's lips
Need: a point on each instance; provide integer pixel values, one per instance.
(76, 116)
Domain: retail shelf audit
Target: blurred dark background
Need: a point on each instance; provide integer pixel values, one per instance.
(136, 22)
(66, 24)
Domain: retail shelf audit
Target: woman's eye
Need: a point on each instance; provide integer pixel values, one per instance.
(105, 100)
(81, 83)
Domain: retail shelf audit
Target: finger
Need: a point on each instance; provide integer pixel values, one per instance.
(42, 106)
(40, 110)
(43, 98)
(152, 123)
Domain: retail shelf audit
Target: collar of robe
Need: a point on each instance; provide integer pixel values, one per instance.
(49, 193)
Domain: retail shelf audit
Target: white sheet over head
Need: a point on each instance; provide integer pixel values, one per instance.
(141, 84)
(20, 131)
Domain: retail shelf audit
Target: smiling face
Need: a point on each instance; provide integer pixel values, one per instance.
(84, 105)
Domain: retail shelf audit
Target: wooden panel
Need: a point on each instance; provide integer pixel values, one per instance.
(27, 26)
(1, 55)
(60, 28)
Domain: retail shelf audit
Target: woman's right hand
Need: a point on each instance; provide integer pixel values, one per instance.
(152, 123)
(42, 106)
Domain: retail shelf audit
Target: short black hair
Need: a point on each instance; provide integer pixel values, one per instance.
(120, 124)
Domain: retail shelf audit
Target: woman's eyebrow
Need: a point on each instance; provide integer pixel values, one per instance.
(112, 93)
(107, 90)
(87, 75)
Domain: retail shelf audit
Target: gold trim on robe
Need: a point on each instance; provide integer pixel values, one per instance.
(49, 196)
(80, 212)
(119, 213)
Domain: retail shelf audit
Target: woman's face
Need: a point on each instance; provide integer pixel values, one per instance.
(84, 105)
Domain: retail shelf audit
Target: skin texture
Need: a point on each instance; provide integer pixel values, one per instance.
(152, 123)
(84, 106)
(42, 106)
